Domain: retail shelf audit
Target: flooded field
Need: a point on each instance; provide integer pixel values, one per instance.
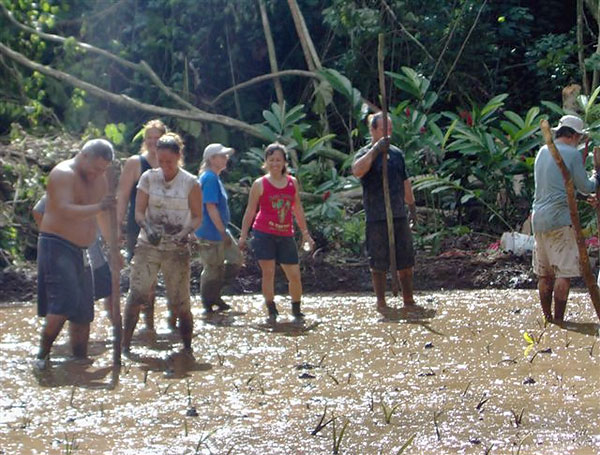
(457, 377)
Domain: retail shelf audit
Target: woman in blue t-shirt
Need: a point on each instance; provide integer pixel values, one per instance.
(220, 255)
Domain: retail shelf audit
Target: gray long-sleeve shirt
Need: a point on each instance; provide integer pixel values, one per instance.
(550, 208)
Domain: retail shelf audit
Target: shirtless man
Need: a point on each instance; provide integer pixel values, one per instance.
(76, 207)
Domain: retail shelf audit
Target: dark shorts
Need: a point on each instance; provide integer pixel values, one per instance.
(378, 247)
(65, 284)
(102, 281)
(269, 246)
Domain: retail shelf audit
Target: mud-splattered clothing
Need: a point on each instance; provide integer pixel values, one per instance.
(133, 229)
(175, 267)
(275, 208)
(168, 204)
(556, 254)
(550, 207)
(65, 284)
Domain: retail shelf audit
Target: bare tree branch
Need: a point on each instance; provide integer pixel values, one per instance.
(123, 100)
(264, 77)
(405, 31)
(142, 67)
(462, 47)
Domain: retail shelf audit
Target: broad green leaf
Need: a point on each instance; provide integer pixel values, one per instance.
(515, 118)
(273, 121)
(553, 107)
(531, 115)
(493, 104)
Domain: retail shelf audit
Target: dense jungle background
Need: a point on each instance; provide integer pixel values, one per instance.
(467, 84)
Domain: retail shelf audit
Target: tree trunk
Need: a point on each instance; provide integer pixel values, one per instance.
(580, 49)
(271, 50)
(592, 6)
(596, 72)
(310, 54)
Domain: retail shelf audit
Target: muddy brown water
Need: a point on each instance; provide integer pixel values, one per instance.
(457, 375)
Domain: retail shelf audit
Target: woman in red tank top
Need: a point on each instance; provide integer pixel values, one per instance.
(272, 201)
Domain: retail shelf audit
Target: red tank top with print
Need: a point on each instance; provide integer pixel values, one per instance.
(275, 208)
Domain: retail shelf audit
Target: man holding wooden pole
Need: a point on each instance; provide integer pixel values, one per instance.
(367, 167)
(556, 258)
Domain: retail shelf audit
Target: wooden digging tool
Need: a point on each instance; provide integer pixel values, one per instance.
(584, 260)
(384, 156)
(115, 266)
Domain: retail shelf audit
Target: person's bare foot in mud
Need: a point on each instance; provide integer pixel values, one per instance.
(411, 306)
(382, 307)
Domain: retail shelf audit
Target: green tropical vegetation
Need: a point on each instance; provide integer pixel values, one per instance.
(468, 82)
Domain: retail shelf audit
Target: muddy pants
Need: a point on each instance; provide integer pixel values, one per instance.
(175, 266)
(221, 264)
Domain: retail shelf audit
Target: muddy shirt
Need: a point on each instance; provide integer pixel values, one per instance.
(168, 206)
(372, 183)
(550, 208)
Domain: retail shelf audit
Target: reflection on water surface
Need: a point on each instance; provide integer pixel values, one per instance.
(457, 373)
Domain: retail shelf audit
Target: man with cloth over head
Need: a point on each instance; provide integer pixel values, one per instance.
(368, 167)
(77, 203)
(555, 256)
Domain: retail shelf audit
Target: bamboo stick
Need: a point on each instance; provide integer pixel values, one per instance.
(384, 157)
(115, 267)
(584, 260)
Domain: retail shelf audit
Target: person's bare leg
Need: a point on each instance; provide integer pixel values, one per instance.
(545, 290)
(52, 327)
(132, 314)
(561, 294)
(405, 276)
(148, 310)
(108, 308)
(79, 335)
(186, 329)
(379, 282)
(267, 285)
(292, 273)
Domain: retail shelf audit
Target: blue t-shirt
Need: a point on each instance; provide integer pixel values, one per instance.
(213, 192)
(550, 207)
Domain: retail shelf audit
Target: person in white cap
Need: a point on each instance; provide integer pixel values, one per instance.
(220, 255)
(555, 256)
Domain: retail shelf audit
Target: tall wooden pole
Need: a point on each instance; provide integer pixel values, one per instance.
(271, 49)
(115, 267)
(584, 260)
(384, 157)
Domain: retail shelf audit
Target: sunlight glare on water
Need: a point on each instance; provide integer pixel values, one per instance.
(457, 375)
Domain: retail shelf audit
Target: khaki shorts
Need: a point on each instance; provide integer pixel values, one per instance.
(175, 266)
(556, 254)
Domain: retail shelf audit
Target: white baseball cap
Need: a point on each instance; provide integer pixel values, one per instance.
(216, 149)
(571, 121)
